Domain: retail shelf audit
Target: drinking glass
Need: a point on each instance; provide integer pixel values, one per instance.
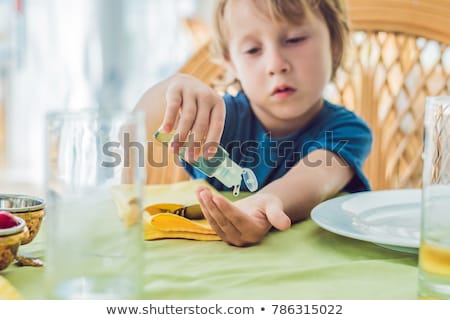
(434, 251)
(94, 180)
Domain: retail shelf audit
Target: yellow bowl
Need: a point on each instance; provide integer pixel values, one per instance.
(10, 240)
(29, 208)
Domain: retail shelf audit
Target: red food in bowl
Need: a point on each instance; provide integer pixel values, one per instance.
(7, 220)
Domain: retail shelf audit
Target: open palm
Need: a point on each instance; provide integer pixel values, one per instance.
(244, 222)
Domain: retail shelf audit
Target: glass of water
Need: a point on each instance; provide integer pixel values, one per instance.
(94, 179)
(434, 251)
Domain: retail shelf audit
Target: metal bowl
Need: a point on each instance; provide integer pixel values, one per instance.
(10, 240)
(29, 208)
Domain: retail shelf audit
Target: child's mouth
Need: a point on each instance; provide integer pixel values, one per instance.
(283, 92)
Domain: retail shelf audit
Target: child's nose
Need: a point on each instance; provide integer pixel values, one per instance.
(277, 63)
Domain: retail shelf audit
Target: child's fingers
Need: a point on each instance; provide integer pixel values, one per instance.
(216, 123)
(218, 221)
(276, 216)
(230, 212)
(204, 196)
(201, 124)
(187, 118)
(174, 100)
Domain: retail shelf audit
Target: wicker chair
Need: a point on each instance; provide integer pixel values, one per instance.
(400, 55)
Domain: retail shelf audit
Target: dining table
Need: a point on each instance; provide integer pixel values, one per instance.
(303, 262)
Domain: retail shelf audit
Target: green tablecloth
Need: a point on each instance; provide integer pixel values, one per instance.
(304, 262)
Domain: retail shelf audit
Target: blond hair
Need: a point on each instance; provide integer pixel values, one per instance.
(333, 12)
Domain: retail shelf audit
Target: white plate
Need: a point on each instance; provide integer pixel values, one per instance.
(389, 218)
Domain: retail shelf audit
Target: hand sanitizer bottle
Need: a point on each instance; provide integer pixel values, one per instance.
(220, 166)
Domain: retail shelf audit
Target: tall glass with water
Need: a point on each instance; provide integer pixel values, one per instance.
(434, 252)
(94, 173)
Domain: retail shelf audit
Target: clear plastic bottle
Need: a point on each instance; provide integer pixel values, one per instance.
(220, 166)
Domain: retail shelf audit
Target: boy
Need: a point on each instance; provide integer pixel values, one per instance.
(283, 53)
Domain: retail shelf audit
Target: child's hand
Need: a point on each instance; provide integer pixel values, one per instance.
(200, 112)
(246, 221)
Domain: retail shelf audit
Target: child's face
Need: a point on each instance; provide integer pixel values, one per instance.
(283, 68)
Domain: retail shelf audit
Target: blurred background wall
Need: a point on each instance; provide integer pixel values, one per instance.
(69, 55)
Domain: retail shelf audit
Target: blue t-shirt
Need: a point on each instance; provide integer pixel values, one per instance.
(334, 128)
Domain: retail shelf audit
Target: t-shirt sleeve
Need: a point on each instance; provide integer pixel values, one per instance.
(351, 139)
(231, 119)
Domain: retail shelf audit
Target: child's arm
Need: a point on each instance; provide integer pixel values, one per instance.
(320, 175)
(317, 177)
(187, 105)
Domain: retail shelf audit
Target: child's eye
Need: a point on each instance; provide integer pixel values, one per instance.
(296, 40)
(252, 51)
